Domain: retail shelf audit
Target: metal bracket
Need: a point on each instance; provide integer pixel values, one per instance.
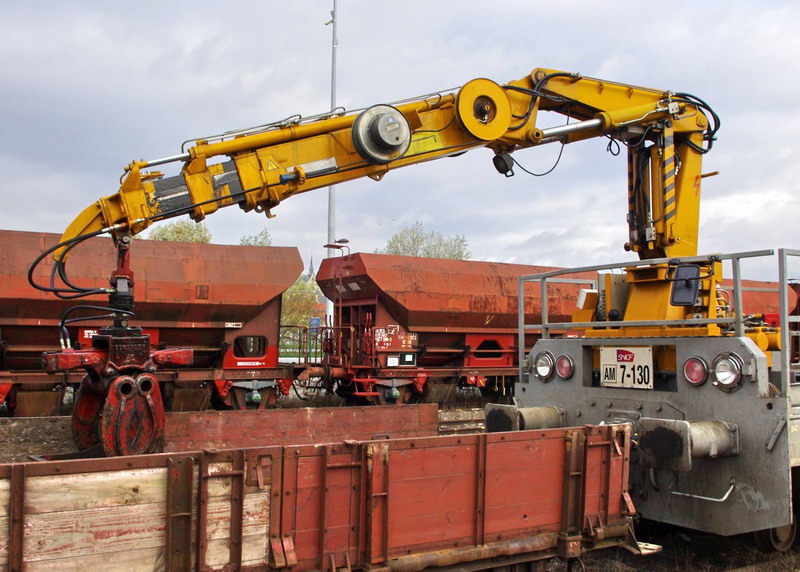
(723, 498)
(283, 553)
(259, 472)
(776, 433)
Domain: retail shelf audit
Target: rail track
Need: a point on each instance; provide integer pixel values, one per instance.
(456, 421)
(684, 549)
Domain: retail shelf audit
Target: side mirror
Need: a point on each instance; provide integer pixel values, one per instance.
(685, 285)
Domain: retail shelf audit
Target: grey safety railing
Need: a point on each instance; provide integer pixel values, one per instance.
(552, 277)
(788, 322)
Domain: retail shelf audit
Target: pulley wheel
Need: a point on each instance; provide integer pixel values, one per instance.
(483, 109)
(381, 134)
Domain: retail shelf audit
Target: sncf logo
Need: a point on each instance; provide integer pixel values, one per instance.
(624, 355)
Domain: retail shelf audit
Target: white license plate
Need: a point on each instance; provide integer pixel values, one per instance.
(626, 367)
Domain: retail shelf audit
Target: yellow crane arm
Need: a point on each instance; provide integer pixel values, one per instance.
(664, 134)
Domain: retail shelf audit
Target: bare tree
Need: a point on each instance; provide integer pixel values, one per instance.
(413, 240)
(261, 238)
(181, 231)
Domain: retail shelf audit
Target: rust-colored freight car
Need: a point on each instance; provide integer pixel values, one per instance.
(406, 327)
(222, 301)
(479, 500)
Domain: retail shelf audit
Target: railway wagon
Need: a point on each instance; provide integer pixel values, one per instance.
(412, 329)
(224, 302)
(406, 503)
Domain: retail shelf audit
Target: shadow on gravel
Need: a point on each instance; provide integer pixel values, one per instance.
(687, 551)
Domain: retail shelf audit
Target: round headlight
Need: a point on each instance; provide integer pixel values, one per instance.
(727, 370)
(695, 371)
(565, 367)
(543, 365)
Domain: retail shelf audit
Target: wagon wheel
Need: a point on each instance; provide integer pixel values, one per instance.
(778, 539)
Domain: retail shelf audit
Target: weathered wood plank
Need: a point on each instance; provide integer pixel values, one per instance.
(80, 491)
(117, 529)
(255, 550)
(4, 524)
(188, 431)
(108, 531)
(5, 497)
(255, 519)
(83, 491)
(135, 560)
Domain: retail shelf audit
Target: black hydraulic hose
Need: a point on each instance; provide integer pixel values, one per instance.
(297, 393)
(69, 244)
(62, 325)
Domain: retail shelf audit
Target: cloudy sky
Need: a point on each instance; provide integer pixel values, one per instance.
(87, 87)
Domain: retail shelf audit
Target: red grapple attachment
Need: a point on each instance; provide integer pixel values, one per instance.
(119, 404)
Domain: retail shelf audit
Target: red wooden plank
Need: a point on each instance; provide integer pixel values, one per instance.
(190, 431)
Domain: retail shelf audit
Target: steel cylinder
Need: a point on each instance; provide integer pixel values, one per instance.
(545, 417)
(774, 341)
(711, 439)
(760, 339)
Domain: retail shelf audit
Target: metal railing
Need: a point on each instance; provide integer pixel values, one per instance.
(737, 319)
(787, 332)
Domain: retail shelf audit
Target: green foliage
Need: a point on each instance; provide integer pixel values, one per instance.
(413, 240)
(301, 301)
(261, 238)
(181, 231)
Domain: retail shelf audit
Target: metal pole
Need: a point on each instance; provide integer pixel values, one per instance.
(786, 326)
(332, 188)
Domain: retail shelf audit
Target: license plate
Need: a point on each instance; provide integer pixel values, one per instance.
(631, 368)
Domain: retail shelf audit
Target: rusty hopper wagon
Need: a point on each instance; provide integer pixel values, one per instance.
(222, 301)
(421, 329)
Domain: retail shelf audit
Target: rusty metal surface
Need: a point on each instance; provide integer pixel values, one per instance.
(180, 489)
(436, 293)
(431, 293)
(759, 301)
(174, 281)
(189, 431)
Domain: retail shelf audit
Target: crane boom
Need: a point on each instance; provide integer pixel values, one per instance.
(664, 134)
